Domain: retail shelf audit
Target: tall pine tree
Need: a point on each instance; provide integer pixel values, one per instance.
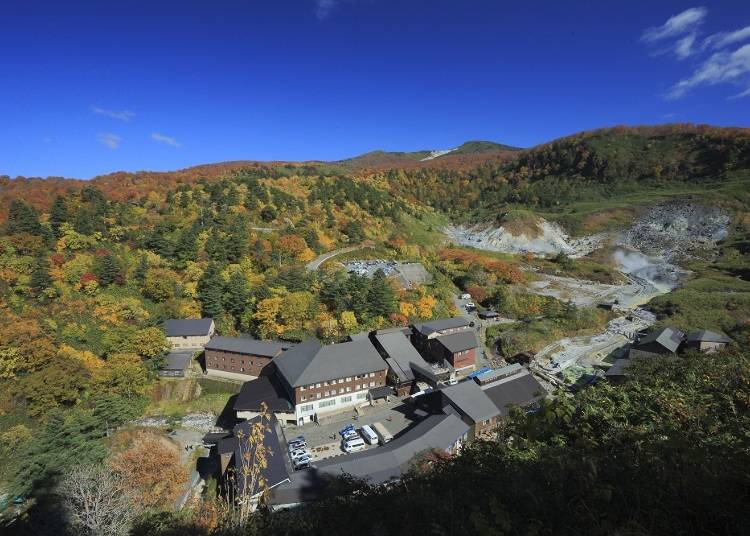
(22, 218)
(106, 269)
(210, 287)
(381, 297)
(237, 295)
(40, 278)
(58, 215)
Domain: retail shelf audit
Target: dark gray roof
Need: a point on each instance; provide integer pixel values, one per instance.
(359, 336)
(188, 327)
(377, 465)
(275, 471)
(468, 398)
(441, 325)
(520, 390)
(246, 345)
(618, 368)
(263, 389)
(668, 337)
(401, 355)
(310, 362)
(707, 336)
(488, 314)
(177, 361)
(381, 392)
(460, 341)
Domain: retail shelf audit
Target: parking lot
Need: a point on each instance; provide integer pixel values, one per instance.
(323, 440)
(406, 274)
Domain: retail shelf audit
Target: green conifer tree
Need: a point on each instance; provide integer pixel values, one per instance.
(210, 289)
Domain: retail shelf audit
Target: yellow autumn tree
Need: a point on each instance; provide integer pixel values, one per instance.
(349, 322)
(407, 309)
(266, 317)
(425, 304)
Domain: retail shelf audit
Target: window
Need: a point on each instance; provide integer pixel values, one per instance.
(341, 380)
(348, 378)
(327, 403)
(341, 391)
(348, 389)
(317, 395)
(326, 393)
(304, 398)
(372, 374)
(345, 399)
(302, 388)
(372, 384)
(317, 385)
(325, 384)
(360, 396)
(307, 407)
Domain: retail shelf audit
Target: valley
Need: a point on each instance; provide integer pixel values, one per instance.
(645, 254)
(550, 264)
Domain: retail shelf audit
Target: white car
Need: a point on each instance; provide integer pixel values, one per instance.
(466, 296)
(297, 454)
(350, 434)
(470, 305)
(354, 445)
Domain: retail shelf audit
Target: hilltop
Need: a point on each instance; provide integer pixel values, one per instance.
(465, 155)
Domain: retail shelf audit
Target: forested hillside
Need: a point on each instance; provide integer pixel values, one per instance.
(599, 165)
(86, 284)
(89, 271)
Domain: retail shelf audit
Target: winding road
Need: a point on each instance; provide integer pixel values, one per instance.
(320, 259)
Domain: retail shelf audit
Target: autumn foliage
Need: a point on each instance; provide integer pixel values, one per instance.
(505, 271)
(151, 468)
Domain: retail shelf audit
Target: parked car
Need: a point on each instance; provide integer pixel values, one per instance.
(347, 428)
(351, 434)
(465, 296)
(304, 457)
(302, 465)
(369, 435)
(452, 381)
(353, 445)
(383, 434)
(295, 446)
(298, 455)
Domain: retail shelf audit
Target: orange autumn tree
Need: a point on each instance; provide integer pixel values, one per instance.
(151, 469)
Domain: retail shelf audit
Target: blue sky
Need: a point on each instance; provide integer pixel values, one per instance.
(88, 88)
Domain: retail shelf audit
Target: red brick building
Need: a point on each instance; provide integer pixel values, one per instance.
(240, 357)
(450, 339)
(458, 349)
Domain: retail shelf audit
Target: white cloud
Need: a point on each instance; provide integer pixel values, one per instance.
(109, 140)
(723, 39)
(741, 94)
(684, 47)
(679, 24)
(121, 115)
(722, 67)
(161, 138)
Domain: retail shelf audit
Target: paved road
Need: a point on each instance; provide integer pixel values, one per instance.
(484, 352)
(320, 259)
